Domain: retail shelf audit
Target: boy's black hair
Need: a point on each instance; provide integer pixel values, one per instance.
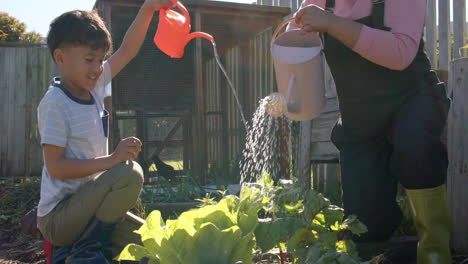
(79, 27)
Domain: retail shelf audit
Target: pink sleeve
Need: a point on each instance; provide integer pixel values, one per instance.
(305, 3)
(396, 49)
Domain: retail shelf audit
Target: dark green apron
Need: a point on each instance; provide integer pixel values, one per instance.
(389, 130)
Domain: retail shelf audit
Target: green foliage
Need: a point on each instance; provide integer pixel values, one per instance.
(17, 198)
(303, 222)
(313, 230)
(13, 30)
(186, 189)
(219, 233)
(222, 173)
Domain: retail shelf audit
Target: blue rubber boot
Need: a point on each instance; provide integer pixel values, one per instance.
(94, 245)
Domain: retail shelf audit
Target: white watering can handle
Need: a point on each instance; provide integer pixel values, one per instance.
(279, 28)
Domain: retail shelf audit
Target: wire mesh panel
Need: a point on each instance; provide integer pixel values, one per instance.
(214, 111)
(235, 126)
(262, 78)
(152, 80)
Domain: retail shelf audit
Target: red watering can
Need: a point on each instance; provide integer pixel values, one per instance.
(173, 32)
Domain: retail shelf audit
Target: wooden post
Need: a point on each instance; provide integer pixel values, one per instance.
(141, 135)
(444, 34)
(199, 149)
(459, 26)
(267, 2)
(16, 126)
(283, 134)
(431, 32)
(223, 98)
(187, 156)
(458, 154)
(303, 164)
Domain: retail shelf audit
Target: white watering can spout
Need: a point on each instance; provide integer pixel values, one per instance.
(298, 62)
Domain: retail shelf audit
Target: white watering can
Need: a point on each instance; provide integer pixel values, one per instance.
(298, 62)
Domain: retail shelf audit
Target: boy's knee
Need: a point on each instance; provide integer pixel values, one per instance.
(133, 171)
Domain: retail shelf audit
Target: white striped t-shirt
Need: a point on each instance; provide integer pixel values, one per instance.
(77, 126)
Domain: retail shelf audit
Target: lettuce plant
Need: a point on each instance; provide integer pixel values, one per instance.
(305, 222)
(220, 233)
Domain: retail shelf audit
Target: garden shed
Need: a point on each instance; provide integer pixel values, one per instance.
(181, 108)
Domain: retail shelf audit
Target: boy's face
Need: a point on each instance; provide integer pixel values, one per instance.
(80, 67)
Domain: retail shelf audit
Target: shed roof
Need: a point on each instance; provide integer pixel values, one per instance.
(229, 23)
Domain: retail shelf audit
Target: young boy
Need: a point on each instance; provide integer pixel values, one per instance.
(84, 190)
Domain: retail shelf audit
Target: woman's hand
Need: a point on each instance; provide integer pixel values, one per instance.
(314, 19)
(128, 149)
(155, 5)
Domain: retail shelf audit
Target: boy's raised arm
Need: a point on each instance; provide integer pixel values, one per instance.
(136, 34)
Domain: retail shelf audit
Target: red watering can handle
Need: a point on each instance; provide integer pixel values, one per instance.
(186, 14)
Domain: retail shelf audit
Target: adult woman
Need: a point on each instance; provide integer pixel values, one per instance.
(393, 110)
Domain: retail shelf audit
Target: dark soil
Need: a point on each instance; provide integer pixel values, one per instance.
(17, 248)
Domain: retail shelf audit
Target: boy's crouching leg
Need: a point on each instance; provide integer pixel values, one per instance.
(106, 198)
(126, 181)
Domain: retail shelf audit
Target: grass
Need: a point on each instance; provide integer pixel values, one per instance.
(176, 164)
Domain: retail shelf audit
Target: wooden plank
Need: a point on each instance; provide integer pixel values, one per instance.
(39, 86)
(266, 7)
(459, 26)
(267, 2)
(322, 127)
(326, 119)
(200, 104)
(431, 32)
(284, 156)
(28, 111)
(188, 161)
(225, 118)
(4, 77)
(444, 34)
(295, 5)
(16, 114)
(323, 151)
(331, 105)
(458, 154)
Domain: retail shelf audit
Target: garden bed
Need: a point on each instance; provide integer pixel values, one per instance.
(16, 248)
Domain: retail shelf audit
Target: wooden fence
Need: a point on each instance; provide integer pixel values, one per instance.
(25, 74)
(458, 153)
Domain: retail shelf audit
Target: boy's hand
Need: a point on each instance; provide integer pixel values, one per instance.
(155, 5)
(128, 149)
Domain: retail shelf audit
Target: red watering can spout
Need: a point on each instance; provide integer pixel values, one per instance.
(199, 35)
(173, 32)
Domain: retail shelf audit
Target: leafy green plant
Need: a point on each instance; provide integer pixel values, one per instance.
(186, 189)
(307, 225)
(304, 223)
(219, 233)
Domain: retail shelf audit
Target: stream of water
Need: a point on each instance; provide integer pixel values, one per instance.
(239, 106)
(262, 152)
